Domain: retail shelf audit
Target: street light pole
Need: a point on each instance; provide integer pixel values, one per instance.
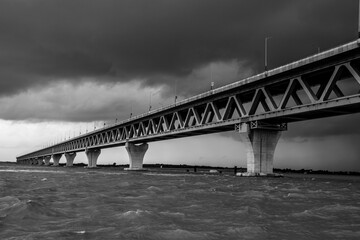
(150, 101)
(175, 90)
(266, 52)
(131, 109)
(359, 21)
(150, 96)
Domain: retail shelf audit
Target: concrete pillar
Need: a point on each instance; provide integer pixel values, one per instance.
(260, 147)
(70, 159)
(40, 161)
(56, 159)
(92, 156)
(47, 160)
(136, 155)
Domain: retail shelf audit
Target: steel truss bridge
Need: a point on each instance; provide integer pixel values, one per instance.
(323, 85)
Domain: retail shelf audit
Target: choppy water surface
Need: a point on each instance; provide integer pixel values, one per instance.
(76, 203)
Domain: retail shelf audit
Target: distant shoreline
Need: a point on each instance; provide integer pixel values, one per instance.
(202, 168)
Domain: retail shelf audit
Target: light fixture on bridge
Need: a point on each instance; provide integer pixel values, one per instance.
(150, 96)
(266, 53)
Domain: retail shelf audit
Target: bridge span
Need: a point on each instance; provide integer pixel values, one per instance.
(258, 108)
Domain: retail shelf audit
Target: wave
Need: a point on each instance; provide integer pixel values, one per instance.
(13, 208)
(253, 194)
(181, 234)
(109, 173)
(344, 234)
(295, 195)
(30, 171)
(200, 184)
(123, 184)
(339, 208)
(173, 214)
(247, 210)
(2, 184)
(133, 214)
(154, 189)
(9, 205)
(312, 214)
(329, 211)
(173, 174)
(247, 232)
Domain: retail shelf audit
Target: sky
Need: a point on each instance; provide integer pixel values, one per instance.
(69, 66)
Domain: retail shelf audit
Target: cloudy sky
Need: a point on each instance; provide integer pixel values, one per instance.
(67, 66)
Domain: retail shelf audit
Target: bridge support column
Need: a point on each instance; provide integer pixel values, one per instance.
(47, 160)
(92, 156)
(70, 159)
(40, 161)
(260, 143)
(136, 155)
(56, 159)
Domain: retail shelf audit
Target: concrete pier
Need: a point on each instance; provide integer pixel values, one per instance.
(47, 160)
(56, 159)
(136, 155)
(70, 159)
(92, 156)
(260, 148)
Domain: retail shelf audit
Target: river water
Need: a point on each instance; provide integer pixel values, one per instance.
(76, 203)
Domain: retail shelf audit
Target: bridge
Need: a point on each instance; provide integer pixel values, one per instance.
(259, 108)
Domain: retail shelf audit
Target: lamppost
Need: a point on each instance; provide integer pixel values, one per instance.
(359, 21)
(266, 52)
(131, 109)
(150, 95)
(176, 90)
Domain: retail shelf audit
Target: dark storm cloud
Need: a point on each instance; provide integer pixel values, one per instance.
(335, 126)
(171, 42)
(44, 41)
